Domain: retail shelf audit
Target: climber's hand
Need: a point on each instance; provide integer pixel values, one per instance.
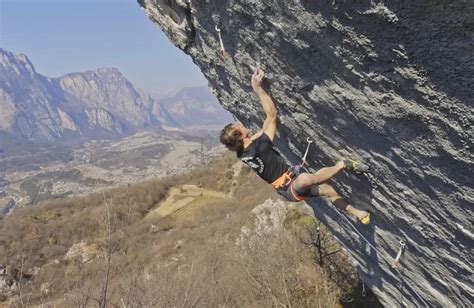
(257, 78)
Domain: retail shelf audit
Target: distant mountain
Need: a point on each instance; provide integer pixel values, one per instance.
(106, 89)
(28, 101)
(157, 109)
(95, 103)
(39, 108)
(196, 106)
(164, 93)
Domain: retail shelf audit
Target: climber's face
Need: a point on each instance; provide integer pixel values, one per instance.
(242, 129)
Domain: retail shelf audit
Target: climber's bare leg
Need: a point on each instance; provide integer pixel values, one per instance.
(329, 191)
(320, 176)
(324, 174)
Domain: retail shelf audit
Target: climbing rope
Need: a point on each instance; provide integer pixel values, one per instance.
(378, 252)
(402, 244)
(400, 279)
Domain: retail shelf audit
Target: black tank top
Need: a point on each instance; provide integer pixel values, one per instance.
(263, 159)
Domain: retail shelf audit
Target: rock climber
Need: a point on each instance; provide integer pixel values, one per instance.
(257, 152)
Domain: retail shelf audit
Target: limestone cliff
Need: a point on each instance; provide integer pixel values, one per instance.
(25, 100)
(107, 88)
(389, 82)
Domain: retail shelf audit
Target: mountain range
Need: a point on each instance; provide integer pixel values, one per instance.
(94, 103)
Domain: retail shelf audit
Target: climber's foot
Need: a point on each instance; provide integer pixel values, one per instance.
(355, 166)
(365, 219)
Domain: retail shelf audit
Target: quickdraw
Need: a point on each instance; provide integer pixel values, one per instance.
(306, 152)
(396, 262)
(220, 39)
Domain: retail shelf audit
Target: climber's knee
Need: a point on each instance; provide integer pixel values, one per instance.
(314, 190)
(304, 181)
(341, 204)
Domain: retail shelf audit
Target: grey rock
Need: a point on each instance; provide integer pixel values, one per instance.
(154, 228)
(83, 252)
(269, 218)
(103, 118)
(389, 82)
(6, 204)
(9, 279)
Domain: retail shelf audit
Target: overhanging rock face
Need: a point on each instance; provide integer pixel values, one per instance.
(389, 82)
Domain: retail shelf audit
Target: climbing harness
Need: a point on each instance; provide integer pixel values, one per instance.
(306, 152)
(396, 262)
(284, 180)
(220, 39)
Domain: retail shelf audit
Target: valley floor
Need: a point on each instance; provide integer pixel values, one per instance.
(97, 165)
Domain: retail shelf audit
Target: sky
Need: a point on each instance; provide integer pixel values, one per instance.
(64, 36)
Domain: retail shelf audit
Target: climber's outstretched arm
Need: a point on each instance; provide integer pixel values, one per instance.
(270, 123)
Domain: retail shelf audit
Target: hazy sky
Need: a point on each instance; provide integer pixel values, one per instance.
(63, 36)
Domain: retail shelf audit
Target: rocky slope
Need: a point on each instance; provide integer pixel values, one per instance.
(39, 108)
(389, 82)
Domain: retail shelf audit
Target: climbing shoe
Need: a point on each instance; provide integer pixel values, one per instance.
(355, 166)
(366, 219)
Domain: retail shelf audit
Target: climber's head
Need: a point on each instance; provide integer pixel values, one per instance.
(232, 136)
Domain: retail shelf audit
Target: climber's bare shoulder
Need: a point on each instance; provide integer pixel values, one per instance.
(269, 129)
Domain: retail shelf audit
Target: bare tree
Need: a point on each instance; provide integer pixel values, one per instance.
(23, 295)
(109, 224)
